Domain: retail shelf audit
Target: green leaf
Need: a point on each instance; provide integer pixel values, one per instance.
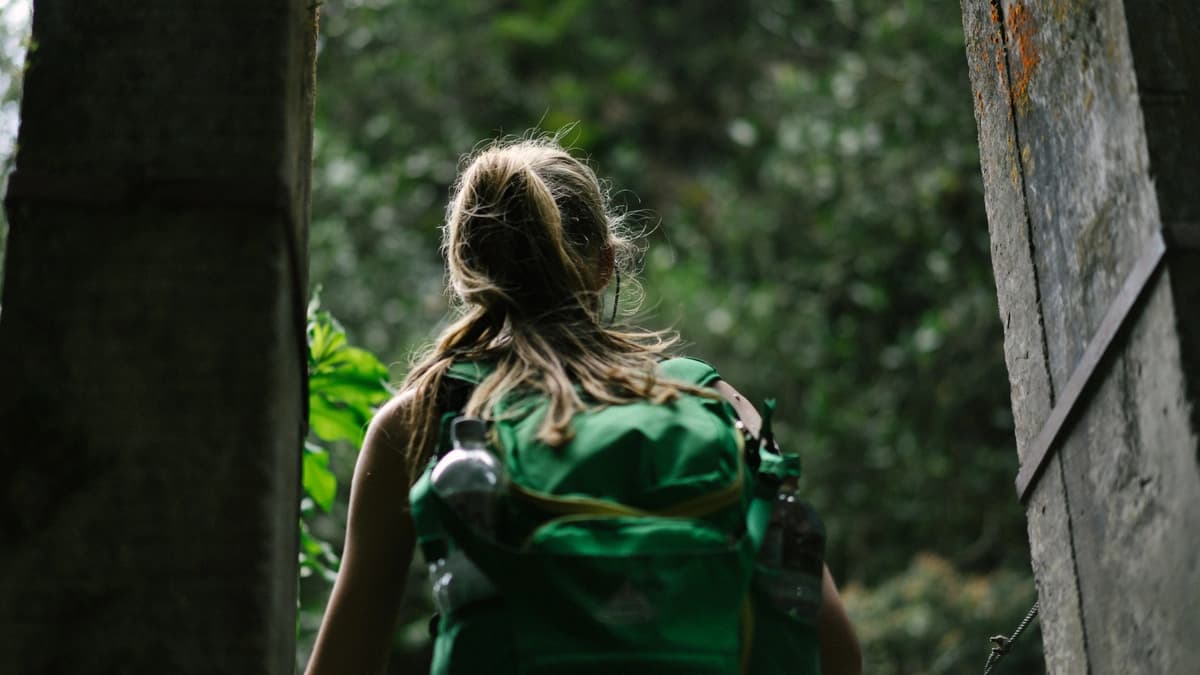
(325, 337)
(354, 369)
(354, 360)
(336, 421)
(342, 388)
(319, 481)
(345, 383)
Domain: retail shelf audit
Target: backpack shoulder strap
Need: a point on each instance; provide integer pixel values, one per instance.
(745, 410)
(472, 372)
(695, 371)
(689, 370)
(684, 369)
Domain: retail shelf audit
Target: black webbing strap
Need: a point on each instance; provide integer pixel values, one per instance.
(1117, 316)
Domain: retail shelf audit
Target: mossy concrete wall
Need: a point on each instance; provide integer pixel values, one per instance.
(1087, 130)
(151, 340)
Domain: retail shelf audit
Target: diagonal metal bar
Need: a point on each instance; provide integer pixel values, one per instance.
(1115, 318)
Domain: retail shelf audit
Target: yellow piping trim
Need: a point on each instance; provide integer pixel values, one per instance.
(575, 506)
(711, 502)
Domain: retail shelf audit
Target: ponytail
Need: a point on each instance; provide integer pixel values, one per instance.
(529, 243)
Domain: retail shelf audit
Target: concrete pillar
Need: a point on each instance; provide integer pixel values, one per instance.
(1087, 131)
(152, 357)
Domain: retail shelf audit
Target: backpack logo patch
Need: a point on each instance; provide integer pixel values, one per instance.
(625, 607)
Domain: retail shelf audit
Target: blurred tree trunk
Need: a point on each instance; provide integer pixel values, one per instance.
(1088, 117)
(152, 357)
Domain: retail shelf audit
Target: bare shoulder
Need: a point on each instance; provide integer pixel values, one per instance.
(389, 428)
(382, 460)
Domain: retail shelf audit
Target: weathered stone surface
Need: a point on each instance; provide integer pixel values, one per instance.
(1080, 113)
(1016, 278)
(151, 348)
(1053, 558)
(1024, 340)
(1133, 499)
(1134, 491)
(1089, 195)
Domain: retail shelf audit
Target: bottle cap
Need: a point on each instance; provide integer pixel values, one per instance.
(468, 432)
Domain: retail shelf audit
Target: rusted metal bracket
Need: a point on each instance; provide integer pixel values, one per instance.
(1118, 314)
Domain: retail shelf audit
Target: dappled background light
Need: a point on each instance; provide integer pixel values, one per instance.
(807, 174)
(15, 18)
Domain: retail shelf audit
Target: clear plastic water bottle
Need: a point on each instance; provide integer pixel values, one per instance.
(469, 479)
(792, 558)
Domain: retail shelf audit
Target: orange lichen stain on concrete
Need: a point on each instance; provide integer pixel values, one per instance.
(997, 40)
(1021, 31)
(1027, 159)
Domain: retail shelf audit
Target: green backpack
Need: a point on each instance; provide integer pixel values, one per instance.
(631, 549)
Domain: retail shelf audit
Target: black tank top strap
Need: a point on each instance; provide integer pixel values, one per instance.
(453, 394)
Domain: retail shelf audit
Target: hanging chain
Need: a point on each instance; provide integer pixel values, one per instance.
(1001, 644)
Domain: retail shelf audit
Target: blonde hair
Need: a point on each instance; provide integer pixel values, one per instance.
(530, 242)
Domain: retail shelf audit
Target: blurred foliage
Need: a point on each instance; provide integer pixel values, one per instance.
(931, 619)
(15, 19)
(808, 176)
